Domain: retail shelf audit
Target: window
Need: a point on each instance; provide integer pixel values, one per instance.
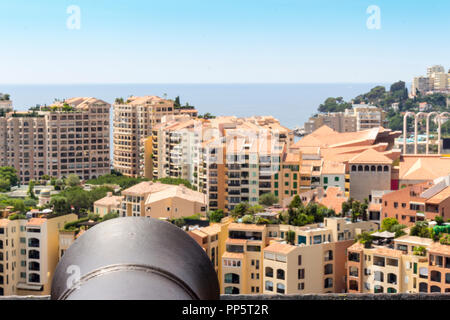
(280, 274)
(269, 272)
(328, 283)
(299, 260)
(301, 286)
(231, 278)
(328, 269)
(301, 274)
(269, 286)
(280, 288)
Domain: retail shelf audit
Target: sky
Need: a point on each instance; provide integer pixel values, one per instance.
(220, 41)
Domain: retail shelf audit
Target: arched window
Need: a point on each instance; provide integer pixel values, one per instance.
(366, 168)
(360, 168)
(269, 272)
(423, 287)
(435, 276)
(328, 269)
(33, 242)
(231, 278)
(373, 168)
(391, 290)
(386, 168)
(353, 168)
(231, 290)
(379, 168)
(378, 289)
(280, 274)
(269, 286)
(392, 278)
(33, 254)
(34, 277)
(379, 276)
(435, 289)
(281, 288)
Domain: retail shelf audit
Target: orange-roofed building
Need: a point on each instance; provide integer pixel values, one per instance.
(161, 201)
(399, 267)
(423, 201)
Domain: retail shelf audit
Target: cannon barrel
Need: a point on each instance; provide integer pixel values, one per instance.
(135, 258)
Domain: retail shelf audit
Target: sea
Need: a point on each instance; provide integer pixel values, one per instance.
(291, 104)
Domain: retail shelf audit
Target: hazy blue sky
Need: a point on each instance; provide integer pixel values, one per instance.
(221, 41)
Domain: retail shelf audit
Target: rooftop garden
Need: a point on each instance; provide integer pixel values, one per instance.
(300, 215)
(81, 223)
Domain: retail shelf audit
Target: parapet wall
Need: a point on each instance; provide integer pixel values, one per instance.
(329, 296)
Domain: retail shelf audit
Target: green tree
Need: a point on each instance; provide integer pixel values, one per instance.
(346, 208)
(247, 219)
(5, 184)
(60, 205)
(240, 209)
(365, 238)
(388, 223)
(30, 191)
(9, 174)
(216, 216)
(420, 229)
(439, 220)
(296, 202)
(290, 237)
(268, 199)
(73, 180)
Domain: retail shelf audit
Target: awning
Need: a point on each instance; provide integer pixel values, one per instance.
(420, 214)
(33, 287)
(384, 234)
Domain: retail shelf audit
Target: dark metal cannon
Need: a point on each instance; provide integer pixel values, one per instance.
(135, 258)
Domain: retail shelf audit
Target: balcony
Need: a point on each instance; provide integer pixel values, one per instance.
(379, 261)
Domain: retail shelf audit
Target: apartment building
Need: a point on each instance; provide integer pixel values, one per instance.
(229, 159)
(132, 125)
(338, 121)
(29, 253)
(242, 262)
(423, 201)
(399, 268)
(251, 248)
(420, 84)
(212, 239)
(439, 268)
(69, 137)
(6, 105)
(158, 200)
(107, 204)
(367, 116)
(359, 117)
(437, 80)
(310, 269)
